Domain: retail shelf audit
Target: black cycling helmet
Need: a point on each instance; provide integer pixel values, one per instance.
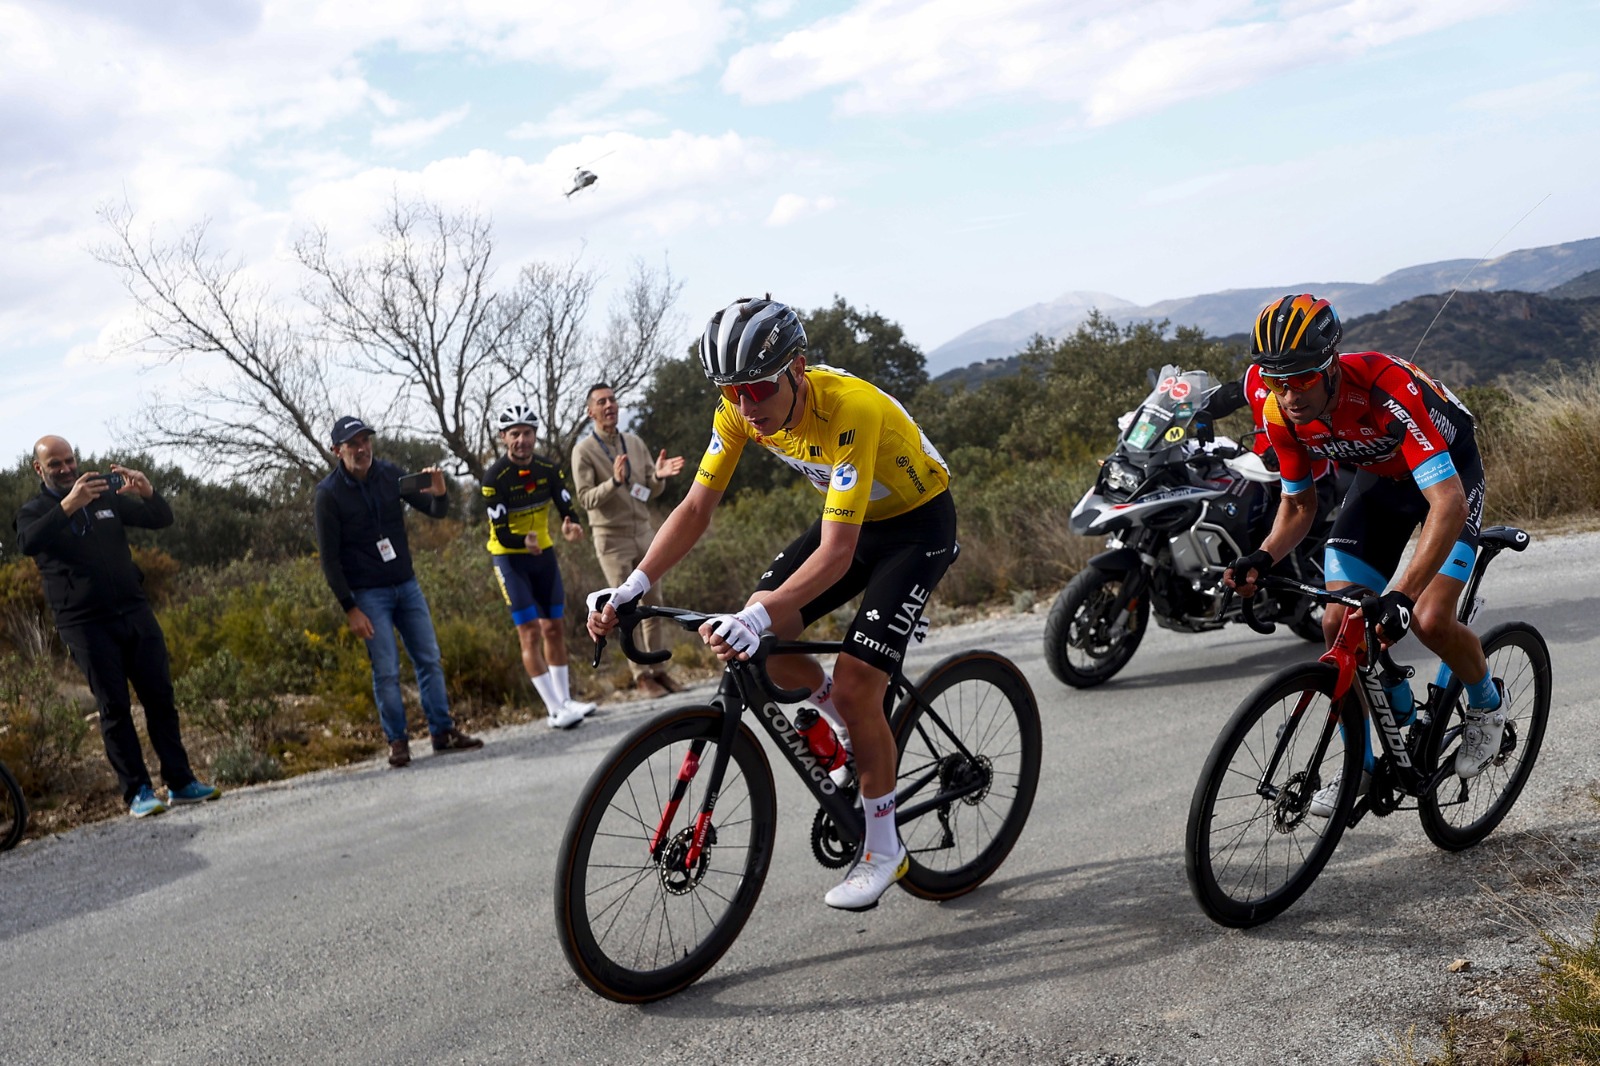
(1295, 335)
(750, 340)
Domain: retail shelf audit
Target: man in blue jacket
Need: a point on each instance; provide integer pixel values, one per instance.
(76, 531)
(361, 536)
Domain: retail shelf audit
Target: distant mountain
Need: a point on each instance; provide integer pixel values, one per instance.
(1532, 270)
(999, 336)
(1582, 285)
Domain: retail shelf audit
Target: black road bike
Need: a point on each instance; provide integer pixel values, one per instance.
(667, 849)
(1253, 846)
(13, 810)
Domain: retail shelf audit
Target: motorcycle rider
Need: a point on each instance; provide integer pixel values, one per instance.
(1417, 461)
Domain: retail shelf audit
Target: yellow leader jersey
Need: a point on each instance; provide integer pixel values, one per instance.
(854, 442)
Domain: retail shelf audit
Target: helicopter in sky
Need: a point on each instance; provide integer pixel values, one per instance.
(582, 179)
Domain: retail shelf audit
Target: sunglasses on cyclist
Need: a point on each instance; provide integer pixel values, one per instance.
(755, 391)
(1292, 382)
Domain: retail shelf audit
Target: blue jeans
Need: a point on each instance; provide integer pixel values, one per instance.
(403, 607)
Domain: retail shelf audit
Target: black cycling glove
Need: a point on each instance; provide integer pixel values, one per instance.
(1257, 560)
(1392, 612)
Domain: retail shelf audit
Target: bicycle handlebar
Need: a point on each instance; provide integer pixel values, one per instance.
(1376, 653)
(631, 614)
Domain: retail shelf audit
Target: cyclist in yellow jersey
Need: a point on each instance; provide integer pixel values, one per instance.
(886, 533)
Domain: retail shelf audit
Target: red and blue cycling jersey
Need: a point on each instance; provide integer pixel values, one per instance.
(1389, 418)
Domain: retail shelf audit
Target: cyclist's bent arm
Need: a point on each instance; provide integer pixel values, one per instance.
(821, 570)
(1296, 513)
(1447, 513)
(681, 531)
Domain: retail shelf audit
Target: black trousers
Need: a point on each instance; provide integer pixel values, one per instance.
(112, 654)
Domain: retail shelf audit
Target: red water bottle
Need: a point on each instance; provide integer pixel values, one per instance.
(820, 739)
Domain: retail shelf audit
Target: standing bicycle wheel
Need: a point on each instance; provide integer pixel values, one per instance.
(638, 926)
(1460, 813)
(13, 810)
(984, 702)
(1253, 846)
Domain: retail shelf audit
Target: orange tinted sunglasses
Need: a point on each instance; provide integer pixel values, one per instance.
(1292, 382)
(756, 391)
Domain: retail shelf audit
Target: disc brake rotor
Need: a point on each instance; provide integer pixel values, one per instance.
(676, 877)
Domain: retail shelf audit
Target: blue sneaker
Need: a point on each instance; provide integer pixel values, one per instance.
(146, 803)
(193, 792)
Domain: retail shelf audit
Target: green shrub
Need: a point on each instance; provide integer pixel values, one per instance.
(42, 733)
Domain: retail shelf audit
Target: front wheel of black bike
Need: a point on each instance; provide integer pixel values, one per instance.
(1458, 814)
(638, 925)
(969, 768)
(1254, 842)
(13, 810)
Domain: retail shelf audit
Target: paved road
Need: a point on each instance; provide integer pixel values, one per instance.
(377, 916)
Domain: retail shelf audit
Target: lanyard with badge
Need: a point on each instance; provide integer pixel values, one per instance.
(386, 550)
(637, 491)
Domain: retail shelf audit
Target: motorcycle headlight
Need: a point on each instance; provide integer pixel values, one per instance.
(1122, 476)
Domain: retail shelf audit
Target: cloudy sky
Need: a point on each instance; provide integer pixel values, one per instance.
(942, 162)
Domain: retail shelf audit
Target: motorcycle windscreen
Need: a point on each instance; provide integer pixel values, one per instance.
(1164, 419)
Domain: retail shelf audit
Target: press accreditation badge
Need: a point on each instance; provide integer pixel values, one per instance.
(640, 493)
(386, 550)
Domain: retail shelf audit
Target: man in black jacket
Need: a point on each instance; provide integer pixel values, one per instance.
(75, 530)
(361, 536)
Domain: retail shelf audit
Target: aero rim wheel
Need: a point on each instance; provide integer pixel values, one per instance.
(13, 810)
(1254, 843)
(957, 841)
(1460, 813)
(636, 927)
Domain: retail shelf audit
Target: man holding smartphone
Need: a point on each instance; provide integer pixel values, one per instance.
(361, 537)
(76, 531)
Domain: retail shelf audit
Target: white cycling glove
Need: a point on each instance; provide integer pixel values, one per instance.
(636, 585)
(742, 631)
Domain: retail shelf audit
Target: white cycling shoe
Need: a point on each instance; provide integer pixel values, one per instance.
(1480, 742)
(563, 717)
(1327, 797)
(583, 710)
(868, 879)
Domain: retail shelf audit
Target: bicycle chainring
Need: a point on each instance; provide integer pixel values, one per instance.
(826, 845)
(671, 866)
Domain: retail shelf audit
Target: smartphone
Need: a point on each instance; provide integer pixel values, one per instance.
(414, 482)
(114, 481)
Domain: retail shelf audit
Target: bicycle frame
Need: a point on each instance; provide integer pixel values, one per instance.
(1354, 651)
(745, 684)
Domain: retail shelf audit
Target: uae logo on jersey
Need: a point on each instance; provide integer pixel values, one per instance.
(844, 477)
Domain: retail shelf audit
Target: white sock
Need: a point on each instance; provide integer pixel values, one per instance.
(822, 700)
(883, 836)
(563, 689)
(546, 687)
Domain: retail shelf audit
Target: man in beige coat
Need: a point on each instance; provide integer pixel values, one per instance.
(615, 477)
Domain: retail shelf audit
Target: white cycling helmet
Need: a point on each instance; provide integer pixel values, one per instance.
(518, 414)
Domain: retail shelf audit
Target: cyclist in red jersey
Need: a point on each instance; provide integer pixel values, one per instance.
(1412, 444)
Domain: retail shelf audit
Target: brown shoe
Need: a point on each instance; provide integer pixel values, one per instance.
(400, 752)
(651, 687)
(455, 740)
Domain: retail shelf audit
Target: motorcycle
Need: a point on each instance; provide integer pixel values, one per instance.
(1177, 505)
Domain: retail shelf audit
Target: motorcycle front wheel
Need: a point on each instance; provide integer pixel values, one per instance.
(1084, 644)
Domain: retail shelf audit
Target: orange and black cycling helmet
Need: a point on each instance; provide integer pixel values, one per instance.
(1295, 335)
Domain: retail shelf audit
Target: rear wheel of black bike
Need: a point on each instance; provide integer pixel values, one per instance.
(981, 700)
(13, 810)
(637, 926)
(1084, 643)
(1253, 844)
(1460, 813)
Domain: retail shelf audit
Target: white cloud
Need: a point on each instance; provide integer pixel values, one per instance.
(418, 131)
(569, 122)
(1112, 58)
(791, 207)
(1563, 90)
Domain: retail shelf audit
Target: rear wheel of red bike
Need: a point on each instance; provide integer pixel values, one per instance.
(1458, 814)
(636, 924)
